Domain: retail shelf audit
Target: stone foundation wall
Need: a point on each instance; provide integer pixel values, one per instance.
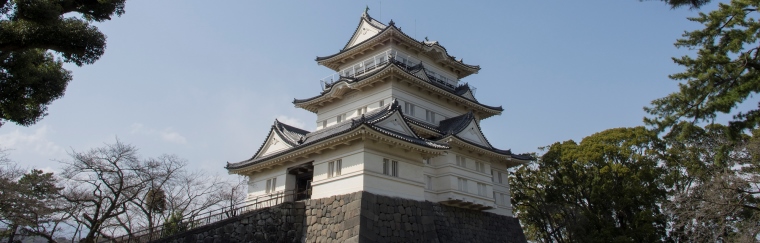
(359, 217)
(334, 219)
(365, 217)
(280, 223)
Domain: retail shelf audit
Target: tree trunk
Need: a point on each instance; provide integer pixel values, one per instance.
(13, 230)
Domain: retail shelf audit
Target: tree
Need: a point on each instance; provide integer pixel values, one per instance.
(172, 192)
(692, 4)
(112, 192)
(101, 183)
(714, 184)
(724, 73)
(29, 203)
(31, 77)
(606, 189)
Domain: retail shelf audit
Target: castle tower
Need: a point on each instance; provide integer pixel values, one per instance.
(394, 120)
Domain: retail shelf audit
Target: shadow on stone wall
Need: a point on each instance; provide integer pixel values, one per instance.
(365, 217)
(359, 217)
(280, 223)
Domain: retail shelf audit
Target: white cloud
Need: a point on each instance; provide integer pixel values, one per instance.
(292, 121)
(37, 142)
(172, 136)
(168, 134)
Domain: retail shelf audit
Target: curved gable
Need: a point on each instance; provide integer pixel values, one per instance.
(473, 134)
(365, 31)
(468, 94)
(397, 124)
(274, 143)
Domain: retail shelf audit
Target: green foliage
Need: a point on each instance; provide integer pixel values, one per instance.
(155, 200)
(27, 203)
(692, 4)
(605, 189)
(725, 72)
(174, 224)
(30, 77)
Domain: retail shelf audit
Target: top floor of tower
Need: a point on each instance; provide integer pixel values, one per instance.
(372, 37)
(421, 73)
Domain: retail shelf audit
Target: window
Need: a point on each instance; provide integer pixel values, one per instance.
(462, 184)
(409, 109)
(430, 116)
(501, 198)
(324, 123)
(382, 103)
(394, 168)
(338, 166)
(426, 161)
(500, 181)
(390, 167)
(429, 182)
(480, 167)
(493, 176)
(333, 168)
(271, 185)
(461, 161)
(341, 117)
(330, 169)
(481, 189)
(361, 110)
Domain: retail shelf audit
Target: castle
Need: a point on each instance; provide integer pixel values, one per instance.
(395, 120)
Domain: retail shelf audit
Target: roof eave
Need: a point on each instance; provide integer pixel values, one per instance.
(330, 61)
(308, 104)
(343, 137)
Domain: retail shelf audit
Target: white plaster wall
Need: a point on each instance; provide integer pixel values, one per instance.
(257, 180)
(346, 184)
(409, 183)
(352, 101)
(350, 178)
(351, 160)
(424, 101)
(445, 174)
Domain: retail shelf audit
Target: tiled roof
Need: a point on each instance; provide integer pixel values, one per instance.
(416, 71)
(292, 135)
(455, 124)
(370, 119)
(452, 126)
(462, 89)
(388, 27)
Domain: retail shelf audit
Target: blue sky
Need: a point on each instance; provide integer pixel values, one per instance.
(205, 80)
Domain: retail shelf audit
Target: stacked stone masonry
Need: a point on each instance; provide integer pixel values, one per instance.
(280, 223)
(360, 217)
